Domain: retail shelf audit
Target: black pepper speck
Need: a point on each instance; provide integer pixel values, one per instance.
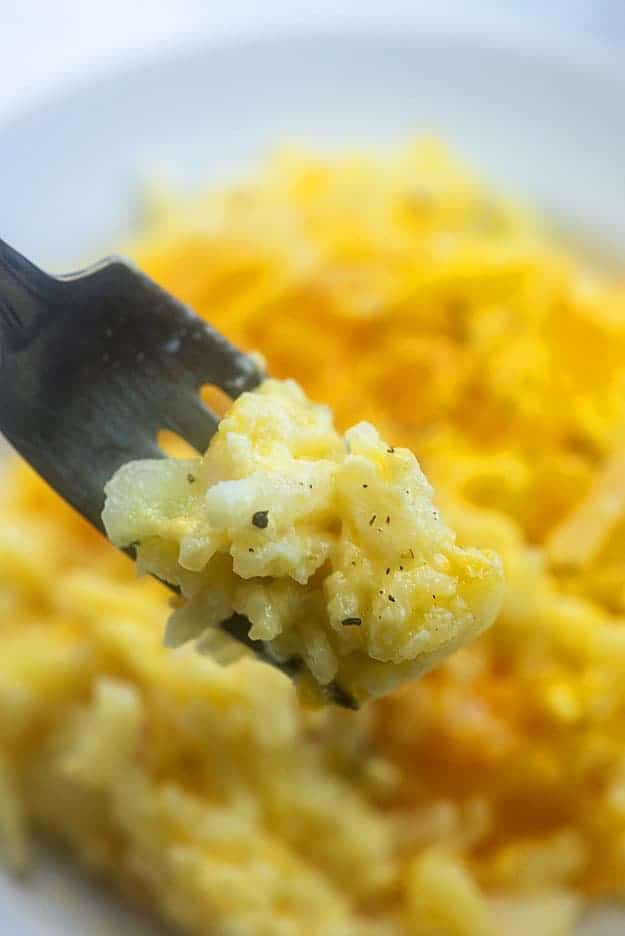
(261, 519)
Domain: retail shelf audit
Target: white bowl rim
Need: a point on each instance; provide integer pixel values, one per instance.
(569, 51)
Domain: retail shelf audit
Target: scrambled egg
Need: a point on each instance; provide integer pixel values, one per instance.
(486, 798)
(330, 546)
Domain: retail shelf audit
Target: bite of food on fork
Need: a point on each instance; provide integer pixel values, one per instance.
(321, 552)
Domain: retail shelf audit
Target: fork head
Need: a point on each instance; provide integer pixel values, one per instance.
(93, 365)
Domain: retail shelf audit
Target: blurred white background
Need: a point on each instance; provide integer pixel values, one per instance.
(44, 42)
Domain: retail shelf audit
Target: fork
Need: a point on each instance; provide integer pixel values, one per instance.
(92, 366)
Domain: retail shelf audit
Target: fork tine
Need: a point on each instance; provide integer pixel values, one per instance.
(185, 346)
(192, 420)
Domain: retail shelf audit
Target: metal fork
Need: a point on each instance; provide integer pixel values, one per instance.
(92, 366)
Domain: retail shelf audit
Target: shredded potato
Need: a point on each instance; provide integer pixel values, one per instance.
(489, 796)
(578, 539)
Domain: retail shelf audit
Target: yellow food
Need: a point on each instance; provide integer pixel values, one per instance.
(395, 288)
(330, 546)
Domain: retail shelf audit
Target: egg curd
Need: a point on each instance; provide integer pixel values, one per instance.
(330, 545)
(486, 798)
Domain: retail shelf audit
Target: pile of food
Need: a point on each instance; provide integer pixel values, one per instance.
(330, 547)
(486, 798)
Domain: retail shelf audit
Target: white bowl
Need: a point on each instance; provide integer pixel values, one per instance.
(548, 123)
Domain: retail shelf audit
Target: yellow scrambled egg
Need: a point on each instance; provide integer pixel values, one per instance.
(486, 798)
(329, 545)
